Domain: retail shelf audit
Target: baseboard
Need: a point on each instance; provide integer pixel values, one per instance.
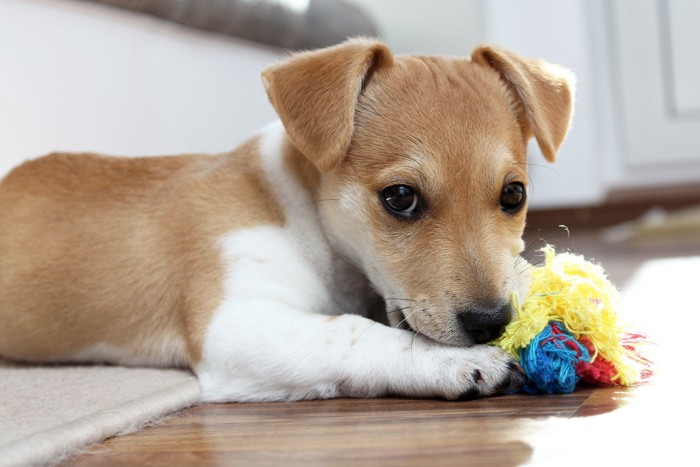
(620, 206)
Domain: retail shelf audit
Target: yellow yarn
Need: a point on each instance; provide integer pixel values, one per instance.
(577, 293)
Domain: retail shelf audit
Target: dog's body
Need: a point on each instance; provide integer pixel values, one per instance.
(395, 183)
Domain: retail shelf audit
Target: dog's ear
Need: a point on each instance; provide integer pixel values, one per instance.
(315, 94)
(542, 93)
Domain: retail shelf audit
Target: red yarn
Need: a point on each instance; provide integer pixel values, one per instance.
(629, 342)
(559, 336)
(600, 371)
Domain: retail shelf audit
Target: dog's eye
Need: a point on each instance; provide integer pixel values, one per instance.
(513, 197)
(400, 199)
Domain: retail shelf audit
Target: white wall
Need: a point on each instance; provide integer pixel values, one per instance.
(77, 76)
(445, 27)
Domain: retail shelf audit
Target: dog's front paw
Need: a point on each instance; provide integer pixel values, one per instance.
(480, 371)
(496, 373)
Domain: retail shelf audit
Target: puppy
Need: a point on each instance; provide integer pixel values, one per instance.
(395, 184)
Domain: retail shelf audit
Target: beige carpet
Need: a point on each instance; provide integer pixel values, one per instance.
(50, 412)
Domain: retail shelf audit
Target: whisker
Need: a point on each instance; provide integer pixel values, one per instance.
(398, 309)
(395, 310)
(543, 166)
(365, 329)
(523, 268)
(415, 330)
(533, 247)
(529, 177)
(405, 320)
(539, 242)
(413, 338)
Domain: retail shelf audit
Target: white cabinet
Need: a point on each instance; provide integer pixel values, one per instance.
(657, 66)
(681, 36)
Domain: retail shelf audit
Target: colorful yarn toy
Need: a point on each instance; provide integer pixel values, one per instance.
(568, 329)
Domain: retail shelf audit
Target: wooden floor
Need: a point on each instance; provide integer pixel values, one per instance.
(652, 424)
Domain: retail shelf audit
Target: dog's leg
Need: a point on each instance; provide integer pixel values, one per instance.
(290, 355)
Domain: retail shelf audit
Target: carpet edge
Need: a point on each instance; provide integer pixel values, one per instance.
(59, 443)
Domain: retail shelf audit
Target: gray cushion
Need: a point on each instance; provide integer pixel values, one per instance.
(322, 23)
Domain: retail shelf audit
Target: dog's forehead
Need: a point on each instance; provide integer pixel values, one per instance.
(446, 108)
(456, 89)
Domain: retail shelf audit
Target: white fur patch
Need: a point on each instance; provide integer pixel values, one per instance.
(273, 274)
(268, 283)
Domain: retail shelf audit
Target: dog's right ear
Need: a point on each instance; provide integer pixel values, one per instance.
(315, 94)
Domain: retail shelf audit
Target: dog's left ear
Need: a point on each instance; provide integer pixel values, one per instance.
(315, 94)
(543, 95)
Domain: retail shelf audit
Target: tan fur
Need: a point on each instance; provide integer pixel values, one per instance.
(123, 252)
(103, 250)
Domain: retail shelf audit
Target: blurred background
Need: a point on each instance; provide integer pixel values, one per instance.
(143, 77)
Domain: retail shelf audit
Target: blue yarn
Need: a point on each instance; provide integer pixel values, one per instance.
(550, 365)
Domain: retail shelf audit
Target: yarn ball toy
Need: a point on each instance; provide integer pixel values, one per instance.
(568, 330)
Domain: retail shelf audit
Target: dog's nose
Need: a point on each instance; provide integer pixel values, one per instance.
(485, 323)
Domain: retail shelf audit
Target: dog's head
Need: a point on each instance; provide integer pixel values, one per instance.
(426, 157)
